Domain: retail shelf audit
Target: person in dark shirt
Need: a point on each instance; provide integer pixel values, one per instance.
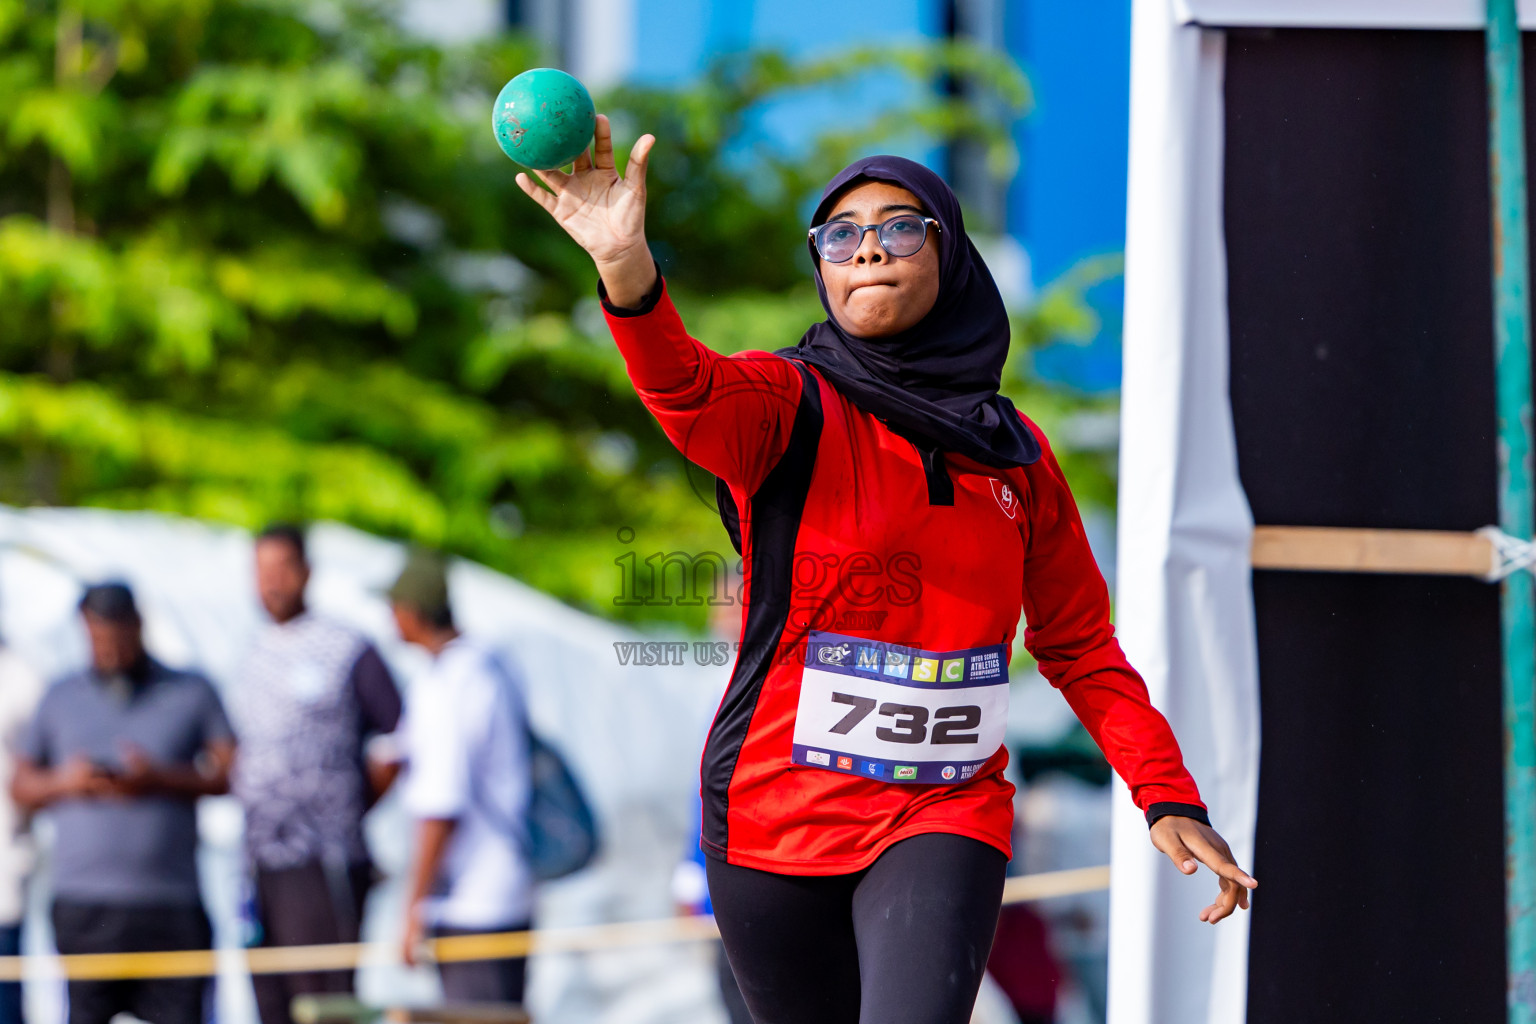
(311, 696)
(120, 754)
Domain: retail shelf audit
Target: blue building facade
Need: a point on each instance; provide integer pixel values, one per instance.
(1068, 201)
(675, 39)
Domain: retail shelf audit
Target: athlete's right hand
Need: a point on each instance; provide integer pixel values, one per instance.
(604, 213)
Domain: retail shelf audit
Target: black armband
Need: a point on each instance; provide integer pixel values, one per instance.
(1194, 811)
(646, 304)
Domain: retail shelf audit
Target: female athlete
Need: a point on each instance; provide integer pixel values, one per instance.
(896, 516)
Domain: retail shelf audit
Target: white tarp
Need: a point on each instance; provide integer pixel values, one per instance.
(632, 734)
(1185, 607)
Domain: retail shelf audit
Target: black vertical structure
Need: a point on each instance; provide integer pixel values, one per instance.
(1356, 216)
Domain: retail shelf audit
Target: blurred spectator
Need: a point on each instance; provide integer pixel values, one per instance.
(1063, 809)
(468, 785)
(20, 690)
(121, 752)
(1022, 962)
(1023, 966)
(309, 696)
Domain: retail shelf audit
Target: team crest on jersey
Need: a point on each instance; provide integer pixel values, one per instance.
(1007, 499)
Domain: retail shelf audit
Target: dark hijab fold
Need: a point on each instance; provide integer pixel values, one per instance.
(935, 383)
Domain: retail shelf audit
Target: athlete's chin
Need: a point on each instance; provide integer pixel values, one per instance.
(872, 322)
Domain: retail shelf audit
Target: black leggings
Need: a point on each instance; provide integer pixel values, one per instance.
(905, 941)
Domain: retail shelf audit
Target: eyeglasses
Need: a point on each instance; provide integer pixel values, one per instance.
(902, 235)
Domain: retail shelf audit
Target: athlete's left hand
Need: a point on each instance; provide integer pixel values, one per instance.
(1186, 841)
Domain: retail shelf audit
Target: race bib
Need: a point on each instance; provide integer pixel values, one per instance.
(900, 714)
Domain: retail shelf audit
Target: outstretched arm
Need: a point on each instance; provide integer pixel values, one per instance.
(1067, 609)
(731, 416)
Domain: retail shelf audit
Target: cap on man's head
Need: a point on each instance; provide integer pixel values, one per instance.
(112, 602)
(423, 585)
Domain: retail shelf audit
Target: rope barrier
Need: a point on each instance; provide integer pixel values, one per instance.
(190, 963)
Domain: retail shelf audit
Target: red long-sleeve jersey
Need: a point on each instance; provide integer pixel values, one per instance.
(883, 587)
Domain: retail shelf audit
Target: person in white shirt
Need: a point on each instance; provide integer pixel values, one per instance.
(20, 690)
(468, 785)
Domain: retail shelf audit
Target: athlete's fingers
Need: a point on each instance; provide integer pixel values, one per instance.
(583, 162)
(1226, 902)
(1217, 856)
(555, 178)
(543, 197)
(602, 144)
(1173, 845)
(1228, 899)
(639, 160)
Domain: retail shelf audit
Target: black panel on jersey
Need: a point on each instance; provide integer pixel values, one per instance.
(730, 515)
(776, 509)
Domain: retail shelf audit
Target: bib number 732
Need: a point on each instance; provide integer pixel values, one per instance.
(910, 722)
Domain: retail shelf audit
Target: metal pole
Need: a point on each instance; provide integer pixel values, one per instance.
(1512, 349)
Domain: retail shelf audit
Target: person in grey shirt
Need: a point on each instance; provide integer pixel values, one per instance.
(119, 754)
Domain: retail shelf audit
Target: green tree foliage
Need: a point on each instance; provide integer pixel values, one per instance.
(260, 259)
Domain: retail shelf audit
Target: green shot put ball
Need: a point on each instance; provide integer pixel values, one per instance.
(543, 118)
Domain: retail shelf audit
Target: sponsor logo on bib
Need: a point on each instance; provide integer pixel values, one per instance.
(834, 654)
(906, 771)
(820, 757)
(845, 763)
(948, 772)
(874, 768)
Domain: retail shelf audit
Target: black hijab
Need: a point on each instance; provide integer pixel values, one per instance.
(935, 383)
